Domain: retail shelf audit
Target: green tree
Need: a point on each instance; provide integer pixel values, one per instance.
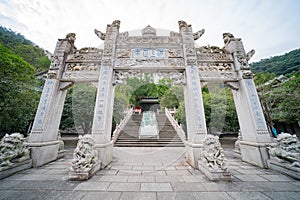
(18, 97)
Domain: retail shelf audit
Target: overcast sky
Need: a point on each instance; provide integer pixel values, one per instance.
(271, 27)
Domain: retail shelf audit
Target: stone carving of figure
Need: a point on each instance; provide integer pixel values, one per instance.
(71, 37)
(286, 150)
(12, 150)
(213, 152)
(250, 54)
(182, 24)
(100, 34)
(115, 23)
(198, 34)
(227, 37)
(85, 155)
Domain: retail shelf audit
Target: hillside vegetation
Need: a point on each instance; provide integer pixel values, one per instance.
(285, 64)
(25, 49)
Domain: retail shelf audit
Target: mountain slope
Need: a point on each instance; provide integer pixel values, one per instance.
(25, 49)
(285, 64)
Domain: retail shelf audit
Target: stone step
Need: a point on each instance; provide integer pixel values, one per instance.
(129, 137)
(149, 145)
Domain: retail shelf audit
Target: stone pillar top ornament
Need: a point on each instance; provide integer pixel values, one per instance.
(149, 31)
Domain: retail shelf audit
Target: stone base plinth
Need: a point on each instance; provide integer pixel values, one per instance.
(43, 152)
(237, 154)
(255, 153)
(284, 168)
(105, 153)
(214, 174)
(193, 154)
(16, 167)
(61, 154)
(81, 175)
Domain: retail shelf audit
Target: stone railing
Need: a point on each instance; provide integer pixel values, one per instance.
(121, 126)
(180, 132)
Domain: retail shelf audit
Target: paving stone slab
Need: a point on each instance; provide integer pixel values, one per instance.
(92, 186)
(7, 184)
(45, 185)
(222, 186)
(155, 172)
(283, 195)
(250, 178)
(194, 178)
(247, 195)
(66, 195)
(112, 178)
(25, 195)
(141, 179)
(142, 168)
(156, 187)
(107, 172)
(175, 196)
(168, 179)
(249, 171)
(126, 187)
(281, 187)
(178, 172)
(138, 196)
(102, 196)
(212, 196)
(188, 187)
(274, 177)
(129, 173)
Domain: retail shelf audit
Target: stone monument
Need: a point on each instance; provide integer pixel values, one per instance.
(285, 155)
(149, 128)
(212, 162)
(14, 155)
(85, 161)
(174, 56)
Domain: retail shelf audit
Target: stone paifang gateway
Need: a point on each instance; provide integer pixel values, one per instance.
(174, 56)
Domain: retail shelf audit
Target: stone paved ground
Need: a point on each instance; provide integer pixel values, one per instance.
(149, 173)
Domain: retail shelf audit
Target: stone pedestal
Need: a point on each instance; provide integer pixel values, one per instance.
(284, 168)
(44, 152)
(214, 174)
(193, 154)
(105, 153)
(83, 174)
(237, 154)
(16, 167)
(254, 153)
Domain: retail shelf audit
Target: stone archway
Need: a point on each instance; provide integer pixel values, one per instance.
(174, 56)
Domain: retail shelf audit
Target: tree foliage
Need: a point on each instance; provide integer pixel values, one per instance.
(24, 48)
(285, 64)
(79, 108)
(280, 101)
(19, 96)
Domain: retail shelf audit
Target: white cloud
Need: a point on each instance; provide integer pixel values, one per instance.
(270, 27)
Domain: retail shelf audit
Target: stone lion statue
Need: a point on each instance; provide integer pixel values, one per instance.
(286, 150)
(85, 155)
(213, 152)
(12, 150)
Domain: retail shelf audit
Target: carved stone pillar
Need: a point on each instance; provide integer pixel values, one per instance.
(102, 122)
(195, 117)
(43, 139)
(251, 118)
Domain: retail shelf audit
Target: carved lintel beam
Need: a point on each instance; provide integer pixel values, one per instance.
(65, 85)
(233, 85)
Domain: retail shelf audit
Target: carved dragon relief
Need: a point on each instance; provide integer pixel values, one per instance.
(120, 76)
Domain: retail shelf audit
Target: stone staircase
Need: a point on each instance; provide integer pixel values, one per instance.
(129, 136)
